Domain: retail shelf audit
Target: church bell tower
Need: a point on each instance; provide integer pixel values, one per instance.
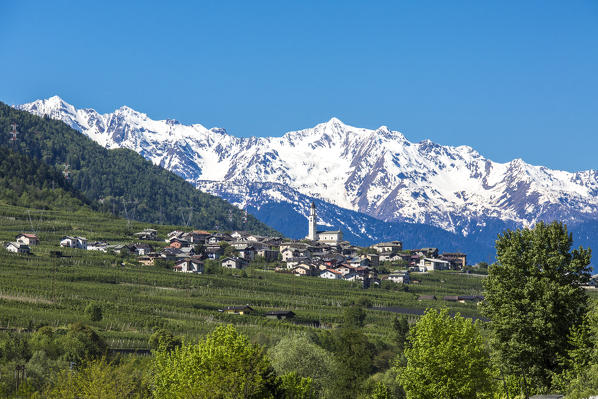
(312, 235)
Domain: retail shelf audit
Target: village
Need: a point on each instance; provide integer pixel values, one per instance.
(321, 254)
(326, 258)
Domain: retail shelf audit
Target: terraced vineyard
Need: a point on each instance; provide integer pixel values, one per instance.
(39, 289)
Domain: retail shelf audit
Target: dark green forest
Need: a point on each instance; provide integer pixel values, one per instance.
(121, 181)
(31, 183)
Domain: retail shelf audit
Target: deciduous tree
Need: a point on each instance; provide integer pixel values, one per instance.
(100, 379)
(446, 359)
(164, 340)
(579, 379)
(223, 365)
(297, 354)
(353, 353)
(534, 298)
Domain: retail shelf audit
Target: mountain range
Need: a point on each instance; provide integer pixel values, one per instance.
(373, 184)
(117, 181)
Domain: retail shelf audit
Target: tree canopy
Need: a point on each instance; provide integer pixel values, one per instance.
(353, 352)
(100, 379)
(223, 365)
(534, 298)
(298, 354)
(28, 182)
(446, 359)
(579, 379)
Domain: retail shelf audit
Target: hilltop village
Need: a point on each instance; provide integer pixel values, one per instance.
(321, 254)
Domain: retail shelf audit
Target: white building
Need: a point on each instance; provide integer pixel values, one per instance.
(302, 270)
(399, 277)
(331, 274)
(330, 237)
(352, 276)
(74, 242)
(147, 234)
(333, 237)
(312, 228)
(27, 239)
(98, 246)
(234, 263)
(430, 264)
(391, 247)
(189, 266)
(289, 254)
(17, 248)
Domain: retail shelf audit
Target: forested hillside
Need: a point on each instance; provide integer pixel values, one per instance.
(31, 183)
(120, 180)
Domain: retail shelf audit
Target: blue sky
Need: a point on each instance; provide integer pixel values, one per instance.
(512, 79)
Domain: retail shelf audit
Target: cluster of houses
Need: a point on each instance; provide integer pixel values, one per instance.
(347, 262)
(189, 250)
(74, 242)
(22, 243)
(326, 257)
(322, 253)
(233, 251)
(325, 254)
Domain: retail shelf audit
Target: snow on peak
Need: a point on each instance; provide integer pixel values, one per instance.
(376, 172)
(55, 100)
(131, 113)
(51, 104)
(334, 120)
(125, 108)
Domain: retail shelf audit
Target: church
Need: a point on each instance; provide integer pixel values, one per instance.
(326, 237)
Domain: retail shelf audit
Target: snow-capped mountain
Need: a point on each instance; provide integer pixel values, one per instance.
(378, 172)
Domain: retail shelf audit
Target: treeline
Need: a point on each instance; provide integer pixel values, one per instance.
(122, 181)
(74, 362)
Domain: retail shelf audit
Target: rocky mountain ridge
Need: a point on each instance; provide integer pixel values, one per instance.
(377, 172)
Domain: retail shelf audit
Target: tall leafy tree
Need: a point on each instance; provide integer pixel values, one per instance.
(292, 386)
(534, 298)
(446, 359)
(93, 312)
(353, 317)
(162, 339)
(401, 327)
(381, 391)
(298, 354)
(223, 365)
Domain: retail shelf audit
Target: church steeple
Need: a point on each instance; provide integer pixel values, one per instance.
(312, 235)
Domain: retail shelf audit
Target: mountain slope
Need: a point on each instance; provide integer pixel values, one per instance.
(121, 180)
(27, 182)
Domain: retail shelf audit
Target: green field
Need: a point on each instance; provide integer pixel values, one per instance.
(38, 289)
